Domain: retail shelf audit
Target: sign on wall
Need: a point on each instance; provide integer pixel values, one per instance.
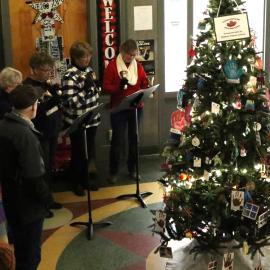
(108, 31)
(146, 55)
(232, 27)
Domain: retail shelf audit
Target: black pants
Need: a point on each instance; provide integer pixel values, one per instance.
(49, 146)
(78, 166)
(27, 244)
(120, 122)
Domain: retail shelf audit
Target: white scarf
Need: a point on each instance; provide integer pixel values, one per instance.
(132, 70)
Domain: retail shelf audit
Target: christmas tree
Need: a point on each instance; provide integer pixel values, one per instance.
(216, 180)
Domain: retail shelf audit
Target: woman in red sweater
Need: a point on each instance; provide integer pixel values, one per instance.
(123, 77)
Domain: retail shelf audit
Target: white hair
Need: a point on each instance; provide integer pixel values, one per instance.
(9, 77)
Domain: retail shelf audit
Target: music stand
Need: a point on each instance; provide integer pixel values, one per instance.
(81, 123)
(132, 101)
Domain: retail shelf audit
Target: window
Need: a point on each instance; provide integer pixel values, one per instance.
(176, 21)
(175, 17)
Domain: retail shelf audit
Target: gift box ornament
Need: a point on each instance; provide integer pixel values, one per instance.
(232, 71)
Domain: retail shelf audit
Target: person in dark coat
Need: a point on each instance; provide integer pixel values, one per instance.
(47, 121)
(9, 79)
(25, 192)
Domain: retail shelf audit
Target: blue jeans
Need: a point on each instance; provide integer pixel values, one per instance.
(27, 244)
(120, 122)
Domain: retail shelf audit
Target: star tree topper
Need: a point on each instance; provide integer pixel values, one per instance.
(46, 10)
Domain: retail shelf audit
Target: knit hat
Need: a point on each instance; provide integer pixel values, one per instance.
(24, 96)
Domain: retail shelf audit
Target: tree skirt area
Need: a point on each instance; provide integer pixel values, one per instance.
(182, 259)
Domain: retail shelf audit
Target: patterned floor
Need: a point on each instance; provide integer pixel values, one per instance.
(125, 245)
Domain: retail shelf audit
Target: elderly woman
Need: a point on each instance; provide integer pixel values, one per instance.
(9, 79)
(81, 95)
(124, 76)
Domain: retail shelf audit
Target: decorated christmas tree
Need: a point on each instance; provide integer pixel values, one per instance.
(216, 180)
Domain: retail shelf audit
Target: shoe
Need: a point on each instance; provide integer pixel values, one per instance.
(49, 214)
(79, 191)
(112, 179)
(132, 176)
(56, 206)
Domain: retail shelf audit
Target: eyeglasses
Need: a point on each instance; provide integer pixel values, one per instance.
(45, 69)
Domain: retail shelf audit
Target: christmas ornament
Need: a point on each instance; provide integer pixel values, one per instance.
(165, 252)
(217, 160)
(257, 126)
(250, 106)
(243, 152)
(180, 99)
(263, 218)
(260, 79)
(189, 234)
(237, 104)
(245, 248)
(208, 161)
(183, 176)
(259, 63)
(178, 121)
(197, 162)
(258, 138)
(160, 221)
(195, 141)
(247, 197)
(259, 266)
(250, 210)
(228, 259)
(252, 84)
(215, 108)
(237, 200)
(191, 52)
(232, 72)
(206, 175)
(212, 265)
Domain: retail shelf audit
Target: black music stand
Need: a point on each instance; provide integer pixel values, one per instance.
(81, 123)
(132, 101)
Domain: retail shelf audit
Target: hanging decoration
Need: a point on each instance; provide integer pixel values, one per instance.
(49, 42)
(225, 26)
(47, 15)
(232, 71)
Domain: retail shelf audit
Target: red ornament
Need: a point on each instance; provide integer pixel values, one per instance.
(183, 177)
(191, 52)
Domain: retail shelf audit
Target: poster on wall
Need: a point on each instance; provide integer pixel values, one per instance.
(231, 27)
(146, 55)
(108, 32)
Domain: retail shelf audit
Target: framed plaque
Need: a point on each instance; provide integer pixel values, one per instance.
(232, 27)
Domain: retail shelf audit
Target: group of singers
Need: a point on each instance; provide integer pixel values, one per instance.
(30, 124)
